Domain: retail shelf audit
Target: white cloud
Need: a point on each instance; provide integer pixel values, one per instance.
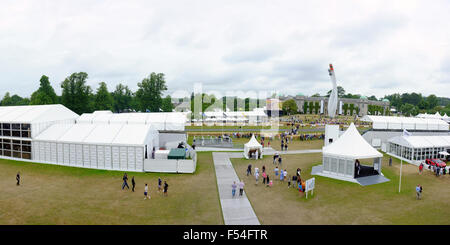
(377, 47)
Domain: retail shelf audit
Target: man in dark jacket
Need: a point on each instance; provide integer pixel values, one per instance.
(125, 179)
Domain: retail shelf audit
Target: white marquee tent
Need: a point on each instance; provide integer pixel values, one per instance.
(252, 144)
(339, 157)
(408, 123)
(161, 121)
(418, 148)
(99, 146)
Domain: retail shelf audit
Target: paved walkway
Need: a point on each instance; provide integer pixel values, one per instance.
(237, 210)
(271, 151)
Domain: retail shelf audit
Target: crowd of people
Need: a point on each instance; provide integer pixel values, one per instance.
(263, 176)
(164, 188)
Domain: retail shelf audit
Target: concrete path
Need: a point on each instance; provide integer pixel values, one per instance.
(237, 210)
(201, 148)
(271, 151)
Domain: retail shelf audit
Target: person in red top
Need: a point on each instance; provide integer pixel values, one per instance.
(421, 168)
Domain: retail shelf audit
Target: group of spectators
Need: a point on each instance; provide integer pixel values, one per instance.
(146, 186)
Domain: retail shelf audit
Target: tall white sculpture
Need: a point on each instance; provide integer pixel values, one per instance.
(332, 101)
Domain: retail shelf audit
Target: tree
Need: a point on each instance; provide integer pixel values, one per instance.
(340, 90)
(45, 94)
(14, 100)
(149, 94)
(103, 99)
(305, 107)
(352, 108)
(345, 107)
(316, 95)
(372, 98)
(122, 98)
(316, 107)
(167, 105)
(408, 109)
(290, 107)
(76, 95)
(432, 101)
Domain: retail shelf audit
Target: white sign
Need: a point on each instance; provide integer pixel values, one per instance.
(309, 186)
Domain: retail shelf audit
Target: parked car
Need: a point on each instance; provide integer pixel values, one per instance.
(435, 162)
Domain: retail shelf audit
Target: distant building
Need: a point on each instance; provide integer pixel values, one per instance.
(319, 105)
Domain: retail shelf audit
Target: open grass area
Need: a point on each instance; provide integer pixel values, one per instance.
(52, 194)
(340, 202)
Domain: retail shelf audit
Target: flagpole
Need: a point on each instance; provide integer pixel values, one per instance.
(401, 165)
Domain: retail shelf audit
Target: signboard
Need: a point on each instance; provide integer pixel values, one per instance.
(309, 186)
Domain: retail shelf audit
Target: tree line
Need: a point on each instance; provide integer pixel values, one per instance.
(80, 97)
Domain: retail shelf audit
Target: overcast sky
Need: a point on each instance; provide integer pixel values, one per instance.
(377, 47)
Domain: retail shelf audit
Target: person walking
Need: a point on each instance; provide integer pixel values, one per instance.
(289, 181)
(256, 177)
(159, 185)
(418, 192)
(420, 168)
(276, 171)
(390, 161)
(146, 195)
(275, 156)
(264, 175)
(267, 181)
(249, 170)
(285, 173)
(279, 160)
(233, 189)
(133, 183)
(18, 178)
(166, 187)
(125, 179)
(241, 188)
(281, 175)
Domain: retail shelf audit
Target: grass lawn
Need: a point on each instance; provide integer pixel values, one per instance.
(340, 202)
(52, 194)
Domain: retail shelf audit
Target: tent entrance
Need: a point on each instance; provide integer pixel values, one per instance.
(367, 170)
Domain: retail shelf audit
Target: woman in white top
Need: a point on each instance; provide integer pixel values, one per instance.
(146, 194)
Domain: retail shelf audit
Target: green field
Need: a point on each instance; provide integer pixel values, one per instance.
(52, 194)
(340, 202)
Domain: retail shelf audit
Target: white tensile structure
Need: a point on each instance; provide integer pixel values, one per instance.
(416, 149)
(219, 117)
(408, 123)
(98, 146)
(435, 116)
(19, 125)
(333, 100)
(339, 157)
(53, 134)
(253, 145)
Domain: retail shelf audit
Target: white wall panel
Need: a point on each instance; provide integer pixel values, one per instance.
(60, 153)
(86, 157)
(66, 148)
(47, 151)
(123, 158)
(100, 157)
(54, 153)
(93, 150)
(73, 155)
(79, 155)
(131, 158)
(116, 157)
(139, 158)
(108, 158)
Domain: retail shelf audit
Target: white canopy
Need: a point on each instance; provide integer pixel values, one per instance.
(252, 145)
(408, 123)
(422, 141)
(35, 113)
(351, 145)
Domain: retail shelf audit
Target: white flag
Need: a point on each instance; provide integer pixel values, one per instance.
(406, 133)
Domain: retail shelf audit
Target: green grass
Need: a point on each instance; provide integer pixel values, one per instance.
(340, 202)
(52, 194)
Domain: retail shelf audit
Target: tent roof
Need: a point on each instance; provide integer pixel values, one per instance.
(422, 141)
(35, 113)
(124, 134)
(253, 142)
(160, 120)
(383, 122)
(352, 145)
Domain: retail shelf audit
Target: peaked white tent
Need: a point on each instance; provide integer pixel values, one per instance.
(339, 157)
(252, 145)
